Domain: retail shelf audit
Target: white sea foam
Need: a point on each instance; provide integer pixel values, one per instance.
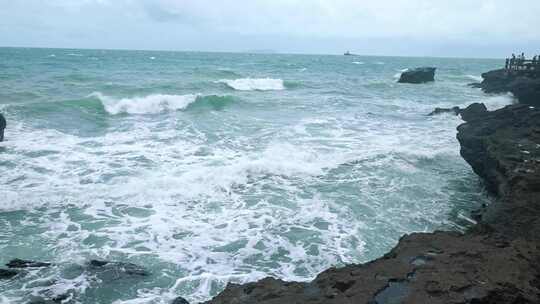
(150, 104)
(398, 75)
(357, 62)
(225, 198)
(231, 214)
(498, 101)
(475, 78)
(254, 84)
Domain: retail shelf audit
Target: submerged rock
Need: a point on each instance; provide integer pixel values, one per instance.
(180, 300)
(453, 110)
(477, 85)
(2, 127)
(418, 75)
(115, 270)
(56, 300)
(18, 263)
(7, 274)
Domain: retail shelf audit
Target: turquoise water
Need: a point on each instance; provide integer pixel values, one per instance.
(210, 168)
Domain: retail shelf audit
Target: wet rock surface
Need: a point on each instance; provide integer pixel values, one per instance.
(418, 75)
(438, 111)
(7, 274)
(18, 263)
(110, 271)
(525, 85)
(179, 300)
(495, 262)
(473, 111)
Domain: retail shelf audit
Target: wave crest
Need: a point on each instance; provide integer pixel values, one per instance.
(157, 103)
(475, 78)
(254, 84)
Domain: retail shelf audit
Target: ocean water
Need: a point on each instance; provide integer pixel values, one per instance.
(208, 168)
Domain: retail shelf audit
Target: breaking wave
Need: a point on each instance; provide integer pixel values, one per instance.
(475, 78)
(254, 84)
(157, 103)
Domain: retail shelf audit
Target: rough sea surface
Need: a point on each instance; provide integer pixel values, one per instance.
(208, 168)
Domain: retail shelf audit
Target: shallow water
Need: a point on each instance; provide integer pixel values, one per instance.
(213, 168)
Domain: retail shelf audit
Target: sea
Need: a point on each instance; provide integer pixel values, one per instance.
(202, 169)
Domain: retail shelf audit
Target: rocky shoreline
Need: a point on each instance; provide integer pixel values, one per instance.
(494, 262)
(524, 85)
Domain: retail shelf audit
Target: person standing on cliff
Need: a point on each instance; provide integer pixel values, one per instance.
(2, 127)
(512, 61)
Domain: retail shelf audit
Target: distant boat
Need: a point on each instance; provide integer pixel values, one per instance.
(347, 53)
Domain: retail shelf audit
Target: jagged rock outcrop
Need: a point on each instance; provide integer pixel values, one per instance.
(504, 149)
(525, 85)
(473, 111)
(526, 90)
(418, 75)
(493, 263)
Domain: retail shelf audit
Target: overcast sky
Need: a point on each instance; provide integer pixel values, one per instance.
(463, 28)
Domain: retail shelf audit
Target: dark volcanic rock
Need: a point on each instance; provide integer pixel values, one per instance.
(473, 111)
(525, 85)
(180, 300)
(7, 274)
(18, 263)
(504, 149)
(453, 110)
(441, 267)
(418, 75)
(56, 300)
(497, 81)
(2, 126)
(526, 90)
(496, 262)
(477, 85)
(115, 270)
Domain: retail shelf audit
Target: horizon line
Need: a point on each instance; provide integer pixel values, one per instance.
(272, 52)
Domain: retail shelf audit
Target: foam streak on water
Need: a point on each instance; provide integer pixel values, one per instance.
(250, 84)
(205, 181)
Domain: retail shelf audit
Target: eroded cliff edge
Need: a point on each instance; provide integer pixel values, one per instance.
(495, 262)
